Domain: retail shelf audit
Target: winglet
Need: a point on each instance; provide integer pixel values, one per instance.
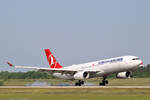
(11, 65)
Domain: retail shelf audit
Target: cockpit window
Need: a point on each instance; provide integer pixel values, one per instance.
(136, 59)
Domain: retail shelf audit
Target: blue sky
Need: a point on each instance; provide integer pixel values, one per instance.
(76, 31)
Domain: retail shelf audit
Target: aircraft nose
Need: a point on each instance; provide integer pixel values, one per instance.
(141, 64)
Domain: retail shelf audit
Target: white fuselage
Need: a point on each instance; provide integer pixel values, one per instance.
(103, 67)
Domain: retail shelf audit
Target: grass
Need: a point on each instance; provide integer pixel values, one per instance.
(130, 82)
(112, 82)
(73, 94)
(76, 93)
(23, 82)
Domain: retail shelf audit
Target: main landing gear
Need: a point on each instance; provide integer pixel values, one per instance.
(104, 82)
(79, 83)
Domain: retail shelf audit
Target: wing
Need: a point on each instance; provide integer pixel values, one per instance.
(44, 69)
(61, 70)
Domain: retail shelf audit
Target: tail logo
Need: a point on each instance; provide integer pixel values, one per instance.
(51, 60)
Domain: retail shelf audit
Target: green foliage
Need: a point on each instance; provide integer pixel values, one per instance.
(1, 83)
(26, 75)
(142, 72)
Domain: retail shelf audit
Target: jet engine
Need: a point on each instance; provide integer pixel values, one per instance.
(81, 75)
(124, 75)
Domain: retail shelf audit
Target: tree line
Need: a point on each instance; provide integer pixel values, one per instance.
(142, 72)
(139, 73)
(24, 75)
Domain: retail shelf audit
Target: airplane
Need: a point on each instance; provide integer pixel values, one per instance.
(122, 66)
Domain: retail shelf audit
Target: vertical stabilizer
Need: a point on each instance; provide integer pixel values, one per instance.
(51, 59)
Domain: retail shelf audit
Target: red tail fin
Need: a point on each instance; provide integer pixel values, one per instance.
(51, 59)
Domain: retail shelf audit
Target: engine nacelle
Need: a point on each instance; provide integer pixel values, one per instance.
(124, 75)
(81, 75)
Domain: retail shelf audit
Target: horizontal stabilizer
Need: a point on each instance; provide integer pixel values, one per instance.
(11, 65)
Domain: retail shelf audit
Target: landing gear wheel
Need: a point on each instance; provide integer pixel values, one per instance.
(79, 83)
(76, 84)
(82, 82)
(104, 82)
(101, 84)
